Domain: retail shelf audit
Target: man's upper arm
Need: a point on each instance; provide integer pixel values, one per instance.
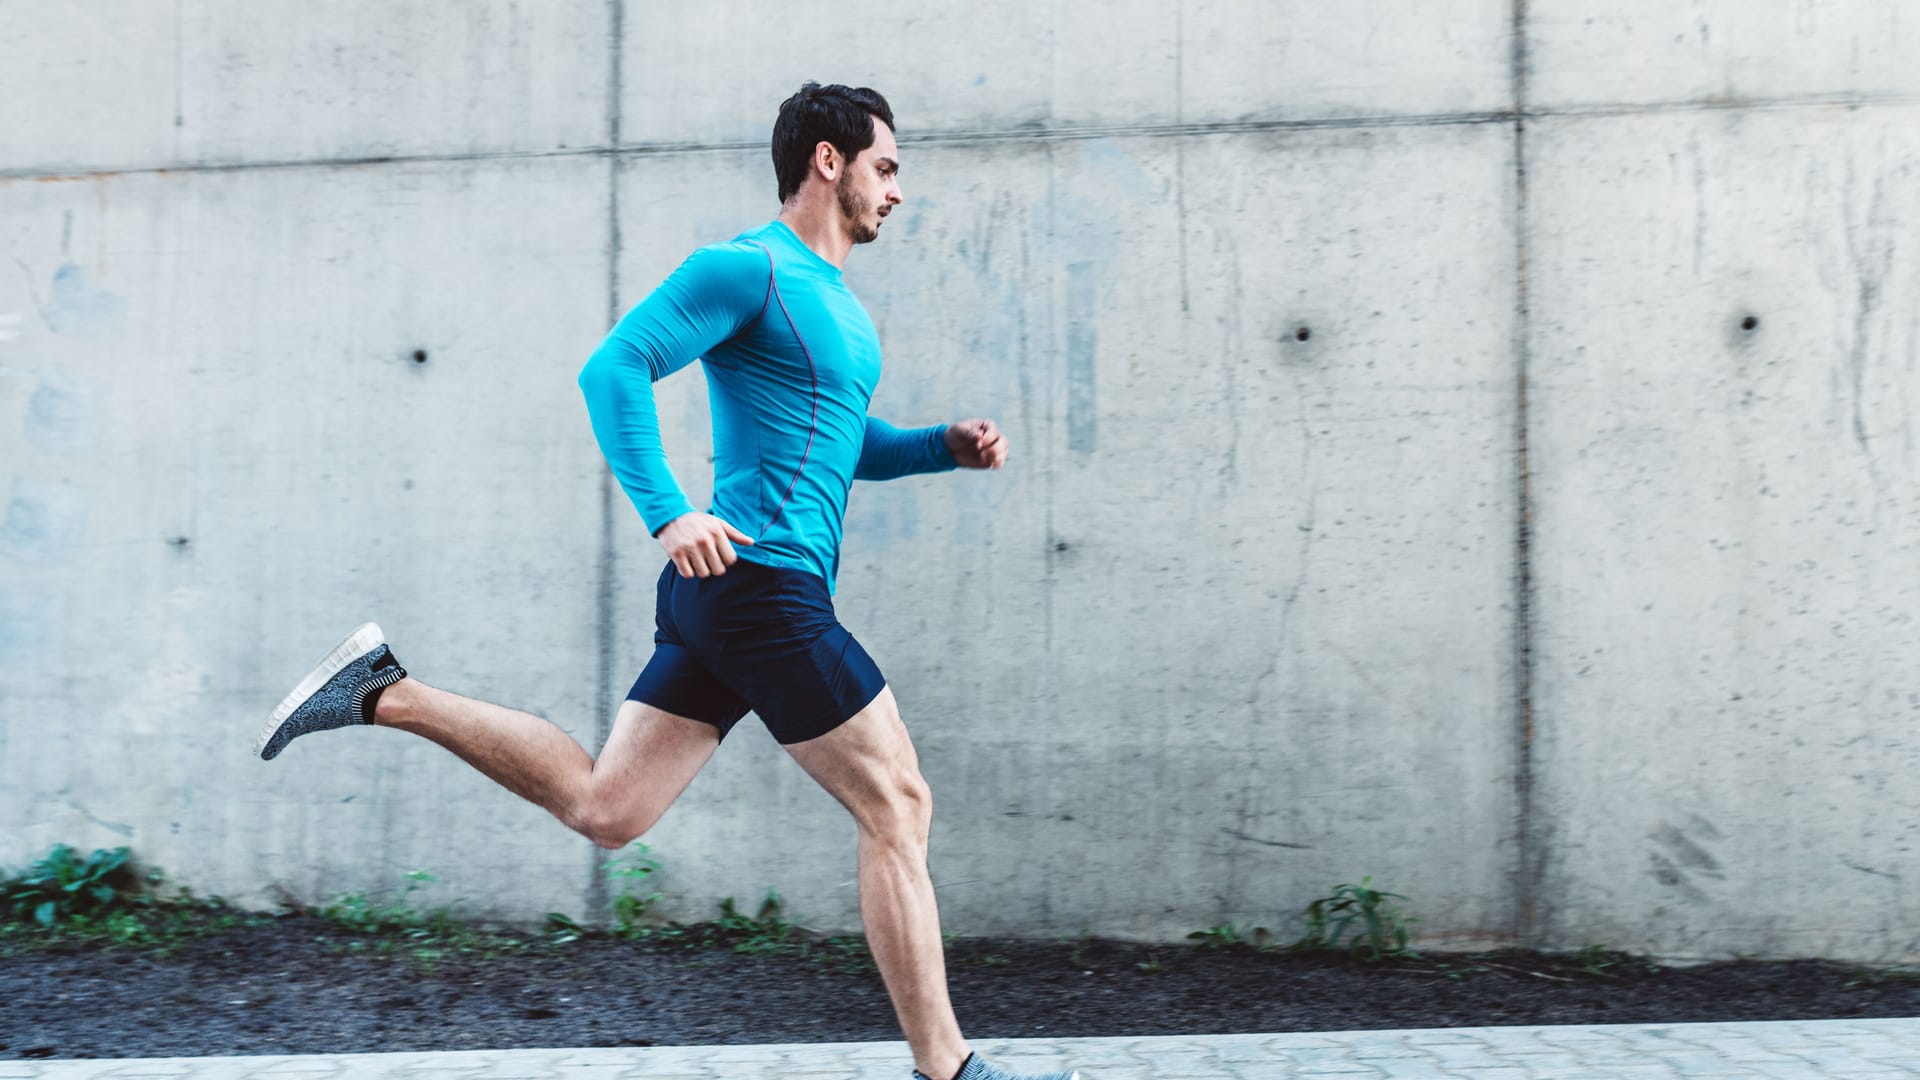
(714, 294)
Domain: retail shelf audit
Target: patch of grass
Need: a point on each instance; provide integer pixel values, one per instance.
(1898, 973)
(1598, 961)
(160, 927)
(1378, 928)
(103, 900)
(1229, 935)
(849, 951)
(1459, 971)
(767, 932)
(100, 900)
(426, 936)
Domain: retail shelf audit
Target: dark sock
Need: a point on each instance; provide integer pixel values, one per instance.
(366, 707)
(387, 671)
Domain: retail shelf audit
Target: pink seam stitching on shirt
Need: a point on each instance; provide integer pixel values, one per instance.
(813, 372)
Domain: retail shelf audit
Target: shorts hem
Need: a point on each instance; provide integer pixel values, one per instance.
(837, 724)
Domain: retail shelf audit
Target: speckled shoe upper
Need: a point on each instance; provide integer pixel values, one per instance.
(336, 693)
(977, 1068)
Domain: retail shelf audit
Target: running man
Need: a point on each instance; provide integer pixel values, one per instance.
(744, 617)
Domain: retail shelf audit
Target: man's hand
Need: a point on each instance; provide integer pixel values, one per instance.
(977, 444)
(699, 544)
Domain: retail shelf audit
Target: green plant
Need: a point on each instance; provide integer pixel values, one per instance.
(1378, 927)
(1598, 960)
(100, 899)
(630, 871)
(1228, 935)
(1876, 976)
(426, 935)
(355, 912)
(63, 886)
(767, 932)
(561, 928)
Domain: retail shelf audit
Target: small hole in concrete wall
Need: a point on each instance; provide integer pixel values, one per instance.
(1059, 545)
(419, 356)
(180, 541)
(1302, 334)
(1749, 323)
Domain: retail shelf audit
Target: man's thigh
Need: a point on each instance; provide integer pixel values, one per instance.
(650, 758)
(868, 762)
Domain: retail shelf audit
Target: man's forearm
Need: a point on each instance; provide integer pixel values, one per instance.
(619, 393)
(889, 452)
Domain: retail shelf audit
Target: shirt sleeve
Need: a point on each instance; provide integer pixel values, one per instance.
(888, 452)
(715, 294)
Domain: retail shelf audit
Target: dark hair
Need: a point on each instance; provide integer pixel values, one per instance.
(841, 115)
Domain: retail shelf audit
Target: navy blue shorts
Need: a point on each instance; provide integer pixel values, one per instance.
(760, 638)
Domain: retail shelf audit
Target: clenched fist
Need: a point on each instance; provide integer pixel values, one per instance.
(977, 444)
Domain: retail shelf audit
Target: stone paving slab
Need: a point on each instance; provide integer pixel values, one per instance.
(1771, 1050)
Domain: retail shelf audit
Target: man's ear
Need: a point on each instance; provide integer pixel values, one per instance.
(826, 158)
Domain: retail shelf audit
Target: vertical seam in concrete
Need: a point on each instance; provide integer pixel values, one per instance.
(179, 76)
(597, 896)
(1527, 857)
(1053, 336)
(1180, 145)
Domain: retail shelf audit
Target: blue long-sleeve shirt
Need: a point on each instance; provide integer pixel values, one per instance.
(792, 359)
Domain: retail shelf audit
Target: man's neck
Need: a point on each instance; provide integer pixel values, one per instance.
(819, 230)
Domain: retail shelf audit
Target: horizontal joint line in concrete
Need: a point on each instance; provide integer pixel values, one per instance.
(50, 175)
(1032, 134)
(1008, 135)
(1808, 101)
(1218, 127)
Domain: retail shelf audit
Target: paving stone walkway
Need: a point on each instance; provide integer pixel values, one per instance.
(1850, 1049)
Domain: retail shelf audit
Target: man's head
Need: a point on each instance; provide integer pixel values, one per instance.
(839, 139)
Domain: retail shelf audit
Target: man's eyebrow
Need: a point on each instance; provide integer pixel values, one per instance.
(890, 164)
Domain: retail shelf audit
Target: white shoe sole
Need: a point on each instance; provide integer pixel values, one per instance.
(363, 640)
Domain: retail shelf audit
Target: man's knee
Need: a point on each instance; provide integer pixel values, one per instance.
(903, 813)
(612, 831)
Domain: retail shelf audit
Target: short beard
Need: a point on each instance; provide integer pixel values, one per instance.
(856, 208)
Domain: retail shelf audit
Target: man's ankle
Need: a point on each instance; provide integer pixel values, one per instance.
(946, 1072)
(386, 705)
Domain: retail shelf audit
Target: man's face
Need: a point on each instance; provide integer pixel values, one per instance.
(869, 187)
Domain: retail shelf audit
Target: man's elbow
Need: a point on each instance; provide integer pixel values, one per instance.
(600, 375)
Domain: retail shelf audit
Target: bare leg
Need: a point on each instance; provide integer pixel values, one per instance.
(648, 760)
(868, 763)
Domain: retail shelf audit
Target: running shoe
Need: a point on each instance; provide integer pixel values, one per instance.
(976, 1068)
(335, 694)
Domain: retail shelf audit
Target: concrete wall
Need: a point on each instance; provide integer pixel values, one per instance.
(1398, 487)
